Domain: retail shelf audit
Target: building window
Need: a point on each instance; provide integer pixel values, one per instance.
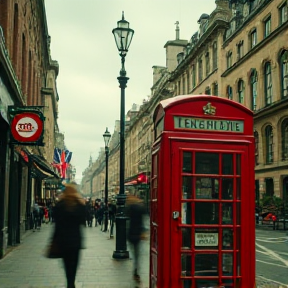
(240, 50)
(241, 91)
(229, 59)
(207, 90)
(207, 63)
(283, 10)
(193, 77)
(284, 74)
(179, 87)
(215, 58)
(215, 89)
(269, 144)
(284, 136)
(183, 85)
(253, 86)
(267, 26)
(229, 92)
(256, 137)
(200, 71)
(253, 38)
(268, 83)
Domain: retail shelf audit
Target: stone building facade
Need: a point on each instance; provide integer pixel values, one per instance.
(27, 78)
(240, 52)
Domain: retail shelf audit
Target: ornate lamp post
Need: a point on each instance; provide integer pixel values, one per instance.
(106, 137)
(123, 36)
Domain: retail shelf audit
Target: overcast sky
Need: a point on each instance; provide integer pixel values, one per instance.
(83, 44)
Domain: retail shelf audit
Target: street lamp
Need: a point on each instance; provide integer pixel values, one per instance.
(106, 137)
(123, 36)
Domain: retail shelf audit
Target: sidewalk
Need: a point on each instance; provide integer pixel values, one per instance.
(26, 267)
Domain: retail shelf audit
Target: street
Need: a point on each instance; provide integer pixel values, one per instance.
(26, 267)
(272, 256)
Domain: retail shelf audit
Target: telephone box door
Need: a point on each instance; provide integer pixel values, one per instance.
(211, 237)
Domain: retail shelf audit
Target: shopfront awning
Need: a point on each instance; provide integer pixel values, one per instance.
(131, 183)
(42, 168)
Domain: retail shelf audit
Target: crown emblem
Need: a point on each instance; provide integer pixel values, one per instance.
(209, 109)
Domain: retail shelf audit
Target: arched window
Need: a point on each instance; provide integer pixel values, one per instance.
(200, 71)
(284, 74)
(207, 63)
(240, 91)
(269, 144)
(215, 89)
(15, 34)
(268, 83)
(253, 87)
(207, 90)
(256, 137)
(215, 60)
(284, 136)
(229, 92)
(193, 77)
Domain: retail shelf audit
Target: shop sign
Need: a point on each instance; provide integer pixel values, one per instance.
(27, 128)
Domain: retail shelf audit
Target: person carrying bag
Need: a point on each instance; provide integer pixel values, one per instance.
(66, 242)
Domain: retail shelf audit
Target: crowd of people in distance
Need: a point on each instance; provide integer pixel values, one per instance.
(95, 212)
(42, 212)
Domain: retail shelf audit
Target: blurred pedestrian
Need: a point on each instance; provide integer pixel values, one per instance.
(70, 214)
(135, 212)
(36, 217)
(112, 214)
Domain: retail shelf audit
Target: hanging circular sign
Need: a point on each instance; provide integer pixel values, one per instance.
(26, 127)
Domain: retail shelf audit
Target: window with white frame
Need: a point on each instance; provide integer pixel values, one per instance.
(267, 83)
(229, 59)
(267, 27)
(229, 92)
(284, 74)
(215, 58)
(240, 91)
(253, 87)
(283, 11)
(269, 144)
(253, 38)
(240, 49)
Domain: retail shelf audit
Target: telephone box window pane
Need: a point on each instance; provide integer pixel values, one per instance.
(238, 164)
(227, 264)
(207, 188)
(186, 238)
(227, 164)
(186, 187)
(186, 283)
(238, 188)
(202, 283)
(238, 214)
(187, 162)
(227, 188)
(185, 264)
(227, 239)
(207, 163)
(186, 216)
(206, 265)
(206, 213)
(227, 213)
(238, 263)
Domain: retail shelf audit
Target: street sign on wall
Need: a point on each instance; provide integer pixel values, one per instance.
(26, 125)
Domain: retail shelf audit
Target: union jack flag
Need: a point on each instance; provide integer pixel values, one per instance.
(61, 160)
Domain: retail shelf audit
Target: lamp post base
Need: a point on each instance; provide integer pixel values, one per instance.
(121, 251)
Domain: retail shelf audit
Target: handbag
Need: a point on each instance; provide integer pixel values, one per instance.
(53, 250)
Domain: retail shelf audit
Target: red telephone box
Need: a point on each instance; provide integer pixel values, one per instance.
(202, 194)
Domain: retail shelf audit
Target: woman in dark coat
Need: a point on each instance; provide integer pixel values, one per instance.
(69, 215)
(135, 212)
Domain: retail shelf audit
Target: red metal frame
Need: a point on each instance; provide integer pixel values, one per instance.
(166, 267)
